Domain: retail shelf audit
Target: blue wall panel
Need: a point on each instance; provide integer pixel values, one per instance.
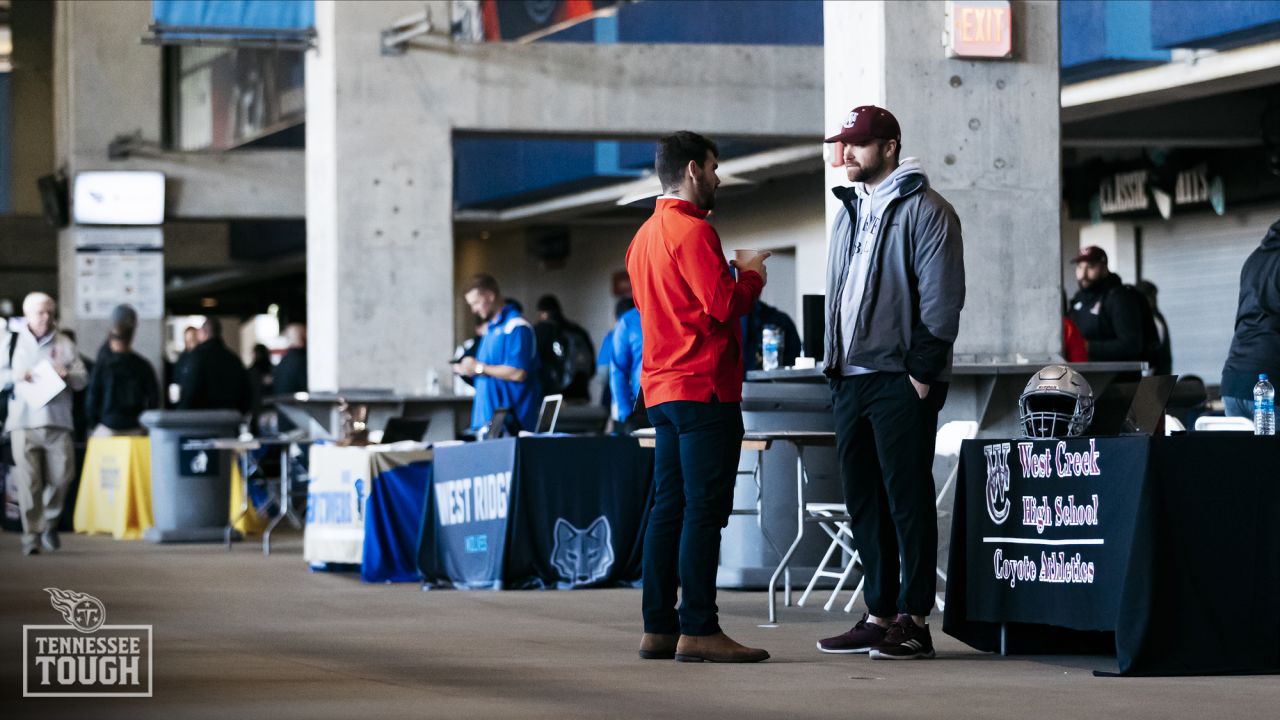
(729, 22)
(1100, 37)
(1199, 24)
(267, 14)
(488, 170)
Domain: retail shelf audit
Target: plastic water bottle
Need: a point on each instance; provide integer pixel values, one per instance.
(772, 344)
(1264, 407)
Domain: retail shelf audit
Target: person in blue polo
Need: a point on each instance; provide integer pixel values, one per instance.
(505, 368)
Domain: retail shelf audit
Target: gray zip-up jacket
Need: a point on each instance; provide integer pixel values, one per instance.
(910, 311)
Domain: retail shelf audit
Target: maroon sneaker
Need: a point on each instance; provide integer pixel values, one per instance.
(864, 636)
(905, 640)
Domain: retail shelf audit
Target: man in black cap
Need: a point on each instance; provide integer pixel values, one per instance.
(1115, 319)
(895, 287)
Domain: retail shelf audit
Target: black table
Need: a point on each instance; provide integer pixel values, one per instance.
(536, 512)
(1175, 566)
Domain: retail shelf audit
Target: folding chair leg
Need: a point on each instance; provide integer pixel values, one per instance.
(819, 572)
(856, 593)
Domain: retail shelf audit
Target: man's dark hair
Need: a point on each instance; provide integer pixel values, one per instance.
(482, 281)
(623, 306)
(122, 332)
(214, 327)
(675, 152)
(550, 304)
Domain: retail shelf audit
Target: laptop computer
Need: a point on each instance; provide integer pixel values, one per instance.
(549, 414)
(498, 424)
(1146, 412)
(1133, 408)
(404, 428)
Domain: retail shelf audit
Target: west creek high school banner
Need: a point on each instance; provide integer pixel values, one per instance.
(1120, 544)
(1052, 523)
(537, 512)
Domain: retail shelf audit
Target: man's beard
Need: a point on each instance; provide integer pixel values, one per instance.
(706, 195)
(863, 173)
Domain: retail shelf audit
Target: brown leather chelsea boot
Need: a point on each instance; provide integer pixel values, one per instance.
(658, 647)
(717, 648)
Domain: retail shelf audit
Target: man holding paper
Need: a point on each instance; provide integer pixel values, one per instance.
(44, 369)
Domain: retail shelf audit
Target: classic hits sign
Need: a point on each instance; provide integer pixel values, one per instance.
(1052, 526)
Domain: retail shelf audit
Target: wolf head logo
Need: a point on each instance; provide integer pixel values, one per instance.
(583, 556)
(82, 611)
(200, 463)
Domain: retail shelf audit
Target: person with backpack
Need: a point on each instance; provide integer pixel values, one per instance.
(1114, 318)
(121, 387)
(565, 352)
(41, 432)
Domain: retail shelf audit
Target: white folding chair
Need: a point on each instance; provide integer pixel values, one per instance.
(1214, 422)
(834, 521)
(950, 437)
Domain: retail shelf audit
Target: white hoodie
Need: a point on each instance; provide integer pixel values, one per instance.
(871, 207)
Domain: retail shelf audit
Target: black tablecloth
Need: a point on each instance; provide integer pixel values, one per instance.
(536, 512)
(1181, 572)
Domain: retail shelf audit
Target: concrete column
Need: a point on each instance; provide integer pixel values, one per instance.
(31, 98)
(987, 133)
(105, 83)
(380, 296)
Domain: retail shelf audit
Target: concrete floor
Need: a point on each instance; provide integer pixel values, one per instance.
(238, 635)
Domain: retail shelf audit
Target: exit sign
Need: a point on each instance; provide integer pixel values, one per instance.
(979, 29)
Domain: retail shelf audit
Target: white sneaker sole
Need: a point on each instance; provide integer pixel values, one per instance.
(854, 651)
(877, 655)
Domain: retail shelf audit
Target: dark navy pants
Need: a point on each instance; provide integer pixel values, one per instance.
(695, 468)
(885, 438)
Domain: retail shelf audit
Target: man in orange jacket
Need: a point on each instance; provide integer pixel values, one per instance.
(690, 306)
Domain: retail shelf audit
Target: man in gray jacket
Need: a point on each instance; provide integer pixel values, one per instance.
(895, 287)
(41, 432)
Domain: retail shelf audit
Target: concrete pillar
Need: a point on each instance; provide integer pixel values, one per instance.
(987, 133)
(31, 100)
(105, 83)
(380, 299)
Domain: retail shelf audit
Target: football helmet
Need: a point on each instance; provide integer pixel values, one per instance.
(1057, 402)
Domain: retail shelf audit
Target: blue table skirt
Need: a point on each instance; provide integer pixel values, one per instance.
(393, 520)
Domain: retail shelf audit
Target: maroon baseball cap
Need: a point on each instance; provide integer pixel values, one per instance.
(1093, 255)
(867, 122)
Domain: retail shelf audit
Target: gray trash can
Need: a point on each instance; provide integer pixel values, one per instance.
(190, 489)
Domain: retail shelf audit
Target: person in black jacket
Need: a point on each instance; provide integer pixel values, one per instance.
(1162, 359)
(212, 377)
(753, 324)
(121, 387)
(565, 353)
(1255, 347)
(291, 372)
(1114, 318)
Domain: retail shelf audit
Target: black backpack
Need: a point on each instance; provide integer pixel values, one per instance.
(1150, 334)
(574, 355)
